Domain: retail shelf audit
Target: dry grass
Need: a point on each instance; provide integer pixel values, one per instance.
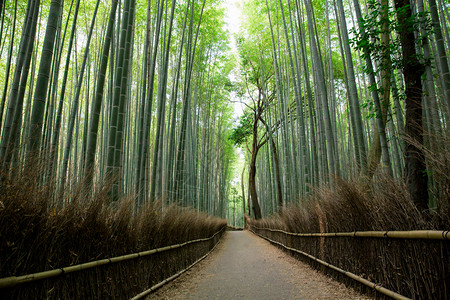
(36, 235)
(418, 269)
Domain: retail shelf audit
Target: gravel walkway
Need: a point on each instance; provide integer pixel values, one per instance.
(245, 266)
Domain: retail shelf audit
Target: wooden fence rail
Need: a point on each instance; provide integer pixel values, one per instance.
(157, 286)
(412, 234)
(442, 236)
(364, 281)
(15, 280)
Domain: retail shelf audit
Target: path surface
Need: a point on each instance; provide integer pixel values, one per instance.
(245, 266)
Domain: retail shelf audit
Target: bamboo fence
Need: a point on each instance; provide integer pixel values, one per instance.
(157, 286)
(15, 280)
(412, 234)
(360, 279)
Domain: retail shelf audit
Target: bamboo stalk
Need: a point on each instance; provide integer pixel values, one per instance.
(15, 280)
(360, 279)
(412, 234)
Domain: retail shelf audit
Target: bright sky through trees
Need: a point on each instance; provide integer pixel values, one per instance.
(233, 15)
(233, 20)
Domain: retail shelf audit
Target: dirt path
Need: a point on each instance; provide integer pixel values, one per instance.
(247, 267)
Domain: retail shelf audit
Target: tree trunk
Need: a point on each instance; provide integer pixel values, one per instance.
(8, 64)
(379, 145)
(252, 187)
(441, 60)
(243, 193)
(277, 174)
(97, 102)
(40, 93)
(75, 103)
(355, 110)
(415, 168)
(24, 55)
(319, 79)
(13, 122)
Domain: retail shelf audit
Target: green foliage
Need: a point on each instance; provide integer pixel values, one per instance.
(368, 36)
(368, 39)
(338, 67)
(243, 130)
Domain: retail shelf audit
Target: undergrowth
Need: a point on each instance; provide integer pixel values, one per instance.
(38, 235)
(418, 269)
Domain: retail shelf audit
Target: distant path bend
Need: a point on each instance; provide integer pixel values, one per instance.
(247, 267)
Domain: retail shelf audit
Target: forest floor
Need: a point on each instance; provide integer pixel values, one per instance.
(244, 266)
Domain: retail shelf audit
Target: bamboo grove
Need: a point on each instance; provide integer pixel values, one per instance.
(354, 89)
(127, 93)
(138, 95)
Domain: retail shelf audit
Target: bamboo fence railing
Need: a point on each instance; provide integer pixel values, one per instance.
(15, 280)
(412, 234)
(157, 286)
(360, 279)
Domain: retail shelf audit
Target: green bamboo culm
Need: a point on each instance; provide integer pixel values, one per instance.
(40, 93)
